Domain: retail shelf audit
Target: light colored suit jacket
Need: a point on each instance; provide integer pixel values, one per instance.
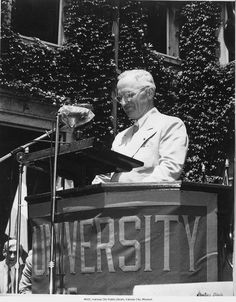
(4, 279)
(161, 144)
(25, 286)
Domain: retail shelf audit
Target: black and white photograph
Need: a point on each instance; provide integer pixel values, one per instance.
(117, 153)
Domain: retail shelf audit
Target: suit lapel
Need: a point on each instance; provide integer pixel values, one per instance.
(148, 129)
(140, 138)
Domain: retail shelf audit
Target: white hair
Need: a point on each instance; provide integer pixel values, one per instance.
(9, 244)
(141, 76)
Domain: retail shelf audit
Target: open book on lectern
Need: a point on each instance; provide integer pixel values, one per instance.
(80, 161)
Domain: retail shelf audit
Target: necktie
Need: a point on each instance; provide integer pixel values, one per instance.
(135, 128)
(9, 285)
(11, 280)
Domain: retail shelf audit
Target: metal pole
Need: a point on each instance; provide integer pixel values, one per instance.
(234, 235)
(115, 30)
(18, 228)
(53, 206)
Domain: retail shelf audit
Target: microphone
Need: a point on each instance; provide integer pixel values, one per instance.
(75, 116)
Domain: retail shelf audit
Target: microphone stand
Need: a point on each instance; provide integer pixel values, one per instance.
(53, 201)
(23, 147)
(53, 206)
(18, 152)
(18, 223)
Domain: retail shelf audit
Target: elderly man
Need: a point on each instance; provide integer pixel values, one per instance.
(158, 140)
(8, 267)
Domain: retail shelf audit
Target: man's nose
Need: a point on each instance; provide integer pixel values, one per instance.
(125, 100)
(12, 255)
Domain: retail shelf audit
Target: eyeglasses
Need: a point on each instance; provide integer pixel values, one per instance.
(12, 252)
(128, 95)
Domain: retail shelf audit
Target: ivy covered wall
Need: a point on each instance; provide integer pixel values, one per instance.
(205, 92)
(83, 70)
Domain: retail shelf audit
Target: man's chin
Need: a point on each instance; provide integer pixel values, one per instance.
(11, 263)
(130, 115)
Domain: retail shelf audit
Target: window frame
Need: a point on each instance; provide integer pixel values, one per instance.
(171, 39)
(60, 32)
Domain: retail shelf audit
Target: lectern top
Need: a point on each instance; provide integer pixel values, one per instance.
(81, 160)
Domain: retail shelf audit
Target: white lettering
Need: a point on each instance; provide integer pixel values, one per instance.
(71, 245)
(134, 243)
(105, 246)
(191, 239)
(166, 219)
(83, 245)
(147, 267)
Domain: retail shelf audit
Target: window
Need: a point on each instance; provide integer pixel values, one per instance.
(226, 34)
(157, 26)
(38, 18)
(163, 28)
(229, 31)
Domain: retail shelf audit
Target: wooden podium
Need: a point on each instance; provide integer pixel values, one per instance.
(111, 237)
(80, 161)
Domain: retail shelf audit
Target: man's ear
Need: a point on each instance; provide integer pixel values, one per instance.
(150, 93)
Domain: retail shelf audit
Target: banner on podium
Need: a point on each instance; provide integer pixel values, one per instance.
(110, 250)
